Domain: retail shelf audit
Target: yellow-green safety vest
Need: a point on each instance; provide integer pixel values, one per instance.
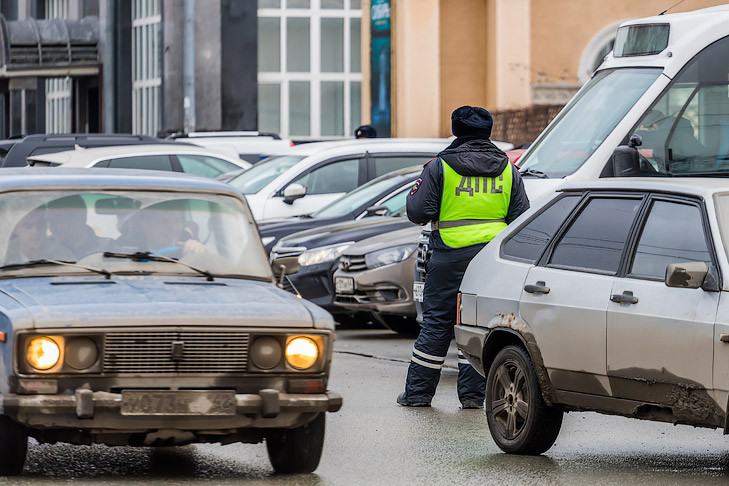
(472, 209)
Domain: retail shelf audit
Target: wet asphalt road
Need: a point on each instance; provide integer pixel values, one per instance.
(374, 441)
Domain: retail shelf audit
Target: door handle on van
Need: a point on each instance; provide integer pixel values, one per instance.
(539, 288)
(624, 298)
(724, 338)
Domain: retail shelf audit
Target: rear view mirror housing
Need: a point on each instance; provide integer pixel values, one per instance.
(692, 275)
(293, 192)
(115, 205)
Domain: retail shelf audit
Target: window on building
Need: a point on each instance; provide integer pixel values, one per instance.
(58, 90)
(309, 67)
(146, 67)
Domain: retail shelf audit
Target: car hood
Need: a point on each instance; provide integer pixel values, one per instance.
(346, 231)
(385, 240)
(71, 302)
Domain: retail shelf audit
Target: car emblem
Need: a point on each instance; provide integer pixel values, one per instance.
(177, 352)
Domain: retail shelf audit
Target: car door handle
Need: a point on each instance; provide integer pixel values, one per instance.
(724, 338)
(539, 288)
(626, 297)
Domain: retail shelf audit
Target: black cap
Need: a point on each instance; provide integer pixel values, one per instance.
(365, 131)
(471, 121)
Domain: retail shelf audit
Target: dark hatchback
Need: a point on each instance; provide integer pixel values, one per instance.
(305, 262)
(383, 196)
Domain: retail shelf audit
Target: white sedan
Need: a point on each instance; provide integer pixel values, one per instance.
(608, 296)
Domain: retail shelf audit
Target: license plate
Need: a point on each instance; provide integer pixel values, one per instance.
(418, 291)
(344, 285)
(187, 402)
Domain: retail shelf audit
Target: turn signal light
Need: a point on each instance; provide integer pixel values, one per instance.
(458, 308)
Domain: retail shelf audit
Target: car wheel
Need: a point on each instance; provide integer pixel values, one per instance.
(519, 420)
(407, 326)
(297, 451)
(13, 447)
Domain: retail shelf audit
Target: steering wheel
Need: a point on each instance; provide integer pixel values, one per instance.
(167, 250)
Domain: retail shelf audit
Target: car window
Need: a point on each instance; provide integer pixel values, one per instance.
(205, 166)
(340, 176)
(672, 233)
(50, 150)
(355, 199)
(258, 176)
(152, 162)
(595, 240)
(530, 241)
(389, 163)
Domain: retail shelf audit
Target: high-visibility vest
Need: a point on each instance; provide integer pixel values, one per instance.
(472, 209)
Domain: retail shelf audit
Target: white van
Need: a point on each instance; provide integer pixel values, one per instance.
(666, 81)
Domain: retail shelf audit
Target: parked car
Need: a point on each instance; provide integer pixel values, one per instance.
(305, 262)
(315, 174)
(140, 310)
(250, 146)
(609, 296)
(165, 157)
(383, 196)
(15, 151)
(376, 275)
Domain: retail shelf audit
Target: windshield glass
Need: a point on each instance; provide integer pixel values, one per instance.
(212, 232)
(355, 199)
(585, 123)
(256, 178)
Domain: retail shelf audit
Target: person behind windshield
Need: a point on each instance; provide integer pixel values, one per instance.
(30, 241)
(67, 223)
(161, 229)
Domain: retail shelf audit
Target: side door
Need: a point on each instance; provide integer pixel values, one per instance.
(566, 296)
(661, 337)
(324, 183)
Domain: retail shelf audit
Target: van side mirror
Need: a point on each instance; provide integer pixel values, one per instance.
(293, 192)
(691, 275)
(376, 211)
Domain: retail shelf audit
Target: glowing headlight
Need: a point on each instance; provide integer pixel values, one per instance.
(302, 352)
(323, 254)
(390, 255)
(42, 353)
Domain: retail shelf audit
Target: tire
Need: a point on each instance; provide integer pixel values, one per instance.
(13, 447)
(519, 420)
(406, 326)
(297, 451)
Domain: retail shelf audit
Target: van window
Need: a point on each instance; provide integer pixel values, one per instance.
(687, 131)
(591, 116)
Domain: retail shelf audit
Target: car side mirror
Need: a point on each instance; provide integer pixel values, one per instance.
(376, 211)
(293, 192)
(625, 160)
(691, 275)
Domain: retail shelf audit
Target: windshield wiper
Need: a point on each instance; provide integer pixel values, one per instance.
(47, 261)
(534, 173)
(142, 256)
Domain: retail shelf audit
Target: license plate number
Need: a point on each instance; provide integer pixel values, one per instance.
(187, 402)
(418, 291)
(344, 285)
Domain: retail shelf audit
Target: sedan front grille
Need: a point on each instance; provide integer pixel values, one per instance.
(353, 263)
(423, 254)
(175, 352)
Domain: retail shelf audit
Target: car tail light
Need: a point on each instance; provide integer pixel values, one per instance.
(458, 308)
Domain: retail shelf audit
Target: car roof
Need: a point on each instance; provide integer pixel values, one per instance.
(80, 157)
(365, 144)
(696, 186)
(44, 178)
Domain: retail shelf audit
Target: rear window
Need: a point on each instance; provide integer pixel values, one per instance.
(151, 162)
(641, 40)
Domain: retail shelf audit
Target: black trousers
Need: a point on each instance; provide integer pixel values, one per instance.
(443, 275)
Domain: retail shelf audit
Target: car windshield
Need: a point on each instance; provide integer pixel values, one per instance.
(256, 178)
(589, 118)
(211, 232)
(355, 199)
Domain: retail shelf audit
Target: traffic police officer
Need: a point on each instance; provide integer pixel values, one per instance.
(469, 193)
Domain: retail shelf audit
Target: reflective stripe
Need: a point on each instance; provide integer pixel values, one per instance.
(435, 225)
(437, 359)
(426, 364)
(463, 361)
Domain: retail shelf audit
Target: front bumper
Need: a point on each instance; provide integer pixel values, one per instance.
(87, 409)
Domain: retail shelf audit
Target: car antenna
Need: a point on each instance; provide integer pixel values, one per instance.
(671, 7)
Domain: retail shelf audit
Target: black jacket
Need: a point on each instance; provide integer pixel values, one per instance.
(468, 156)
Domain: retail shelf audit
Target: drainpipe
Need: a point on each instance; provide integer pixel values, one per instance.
(188, 66)
(108, 69)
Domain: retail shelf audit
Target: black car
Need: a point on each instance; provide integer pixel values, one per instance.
(305, 262)
(383, 196)
(15, 151)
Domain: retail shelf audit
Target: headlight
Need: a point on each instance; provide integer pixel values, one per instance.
(389, 255)
(267, 239)
(323, 254)
(81, 353)
(42, 353)
(302, 352)
(266, 353)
